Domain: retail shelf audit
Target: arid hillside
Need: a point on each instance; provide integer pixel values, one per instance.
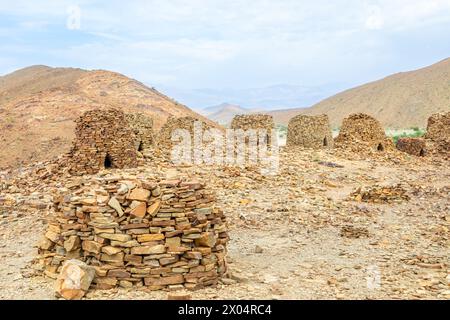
(38, 105)
(401, 100)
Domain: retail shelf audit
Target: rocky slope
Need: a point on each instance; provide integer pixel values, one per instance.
(401, 100)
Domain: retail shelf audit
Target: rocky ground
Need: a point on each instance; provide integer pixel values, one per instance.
(329, 225)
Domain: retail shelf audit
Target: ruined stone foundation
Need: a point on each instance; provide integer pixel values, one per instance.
(413, 146)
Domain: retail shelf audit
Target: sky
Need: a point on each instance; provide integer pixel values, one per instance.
(191, 47)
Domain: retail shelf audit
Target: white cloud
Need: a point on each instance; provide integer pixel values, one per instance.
(199, 43)
(375, 20)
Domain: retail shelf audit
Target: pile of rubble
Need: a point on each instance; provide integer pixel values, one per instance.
(102, 141)
(414, 146)
(136, 232)
(310, 132)
(142, 127)
(361, 132)
(351, 232)
(380, 194)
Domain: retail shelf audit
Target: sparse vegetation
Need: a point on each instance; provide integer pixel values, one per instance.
(414, 132)
(282, 130)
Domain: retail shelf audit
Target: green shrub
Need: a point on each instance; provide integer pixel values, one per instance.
(417, 133)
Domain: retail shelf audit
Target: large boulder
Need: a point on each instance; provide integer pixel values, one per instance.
(74, 279)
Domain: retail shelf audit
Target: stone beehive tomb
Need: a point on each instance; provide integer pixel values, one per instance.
(154, 233)
(362, 132)
(256, 122)
(164, 139)
(414, 146)
(438, 127)
(438, 133)
(310, 132)
(102, 140)
(142, 127)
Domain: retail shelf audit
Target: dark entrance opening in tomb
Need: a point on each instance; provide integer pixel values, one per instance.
(141, 146)
(108, 162)
(325, 142)
(422, 153)
(380, 147)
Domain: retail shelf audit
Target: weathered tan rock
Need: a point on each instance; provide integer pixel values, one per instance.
(152, 210)
(91, 246)
(113, 203)
(147, 250)
(74, 279)
(150, 237)
(139, 194)
(207, 239)
(140, 210)
(72, 243)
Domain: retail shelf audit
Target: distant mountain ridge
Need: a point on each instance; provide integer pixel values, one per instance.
(225, 112)
(401, 100)
(265, 98)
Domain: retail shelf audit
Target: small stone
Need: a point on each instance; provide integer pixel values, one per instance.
(123, 189)
(116, 236)
(139, 194)
(114, 203)
(91, 246)
(228, 281)
(72, 243)
(118, 257)
(46, 244)
(139, 211)
(207, 239)
(145, 250)
(258, 249)
(150, 237)
(156, 192)
(109, 250)
(154, 207)
(126, 284)
(178, 296)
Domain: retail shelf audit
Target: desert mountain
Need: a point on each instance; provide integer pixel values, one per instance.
(38, 105)
(401, 100)
(224, 113)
